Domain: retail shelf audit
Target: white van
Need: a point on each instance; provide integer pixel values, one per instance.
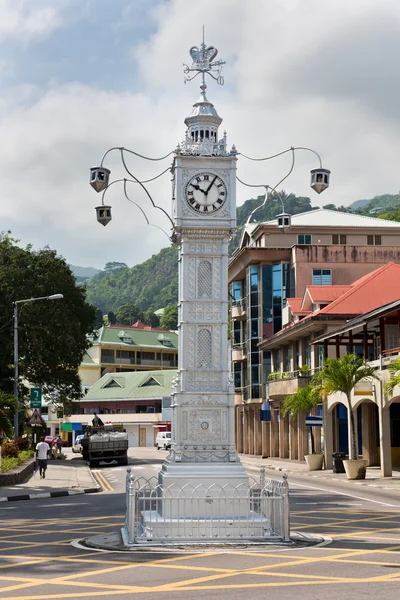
(163, 440)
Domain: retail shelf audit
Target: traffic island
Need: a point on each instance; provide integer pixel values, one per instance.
(113, 541)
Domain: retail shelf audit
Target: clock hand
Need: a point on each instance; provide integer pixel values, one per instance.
(211, 184)
(197, 187)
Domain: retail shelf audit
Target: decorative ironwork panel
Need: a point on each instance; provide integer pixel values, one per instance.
(203, 349)
(204, 279)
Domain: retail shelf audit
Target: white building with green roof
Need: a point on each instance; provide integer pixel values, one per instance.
(122, 349)
(132, 398)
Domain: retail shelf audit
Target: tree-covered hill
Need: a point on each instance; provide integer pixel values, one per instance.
(154, 283)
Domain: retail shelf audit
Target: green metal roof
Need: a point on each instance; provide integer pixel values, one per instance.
(135, 385)
(88, 360)
(140, 337)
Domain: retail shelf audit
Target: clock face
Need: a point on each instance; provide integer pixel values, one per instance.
(205, 193)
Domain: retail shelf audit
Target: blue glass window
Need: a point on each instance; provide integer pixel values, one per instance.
(304, 238)
(237, 291)
(322, 277)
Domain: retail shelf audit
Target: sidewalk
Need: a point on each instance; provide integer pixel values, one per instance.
(63, 478)
(373, 478)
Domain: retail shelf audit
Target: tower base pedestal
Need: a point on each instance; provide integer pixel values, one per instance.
(203, 502)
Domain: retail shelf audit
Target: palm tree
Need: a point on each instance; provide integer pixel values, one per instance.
(8, 406)
(306, 399)
(394, 379)
(342, 375)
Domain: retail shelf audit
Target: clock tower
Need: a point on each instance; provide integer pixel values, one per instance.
(203, 448)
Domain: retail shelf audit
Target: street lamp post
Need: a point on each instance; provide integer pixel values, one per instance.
(16, 374)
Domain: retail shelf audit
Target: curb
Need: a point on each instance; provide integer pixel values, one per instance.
(250, 467)
(58, 494)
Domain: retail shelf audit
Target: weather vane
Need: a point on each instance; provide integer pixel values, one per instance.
(203, 62)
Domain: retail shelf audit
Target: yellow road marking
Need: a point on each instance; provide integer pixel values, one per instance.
(102, 481)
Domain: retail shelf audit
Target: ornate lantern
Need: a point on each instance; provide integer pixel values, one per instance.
(320, 179)
(103, 214)
(284, 220)
(99, 177)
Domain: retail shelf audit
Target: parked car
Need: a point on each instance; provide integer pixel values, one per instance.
(50, 439)
(163, 440)
(77, 446)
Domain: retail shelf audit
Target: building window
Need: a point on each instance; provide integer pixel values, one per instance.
(237, 375)
(237, 333)
(107, 356)
(322, 277)
(237, 291)
(287, 358)
(304, 238)
(374, 240)
(339, 239)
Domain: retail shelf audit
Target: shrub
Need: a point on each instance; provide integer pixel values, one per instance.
(23, 443)
(9, 449)
(11, 462)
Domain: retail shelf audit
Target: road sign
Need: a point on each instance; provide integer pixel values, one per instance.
(36, 418)
(36, 397)
(314, 421)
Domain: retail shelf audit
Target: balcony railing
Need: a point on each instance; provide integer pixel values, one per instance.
(239, 351)
(281, 376)
(147, 362)
(239, 309)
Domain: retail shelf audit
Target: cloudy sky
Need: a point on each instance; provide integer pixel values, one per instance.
(80, 76)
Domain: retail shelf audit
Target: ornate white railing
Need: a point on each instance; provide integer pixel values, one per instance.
(215, 514)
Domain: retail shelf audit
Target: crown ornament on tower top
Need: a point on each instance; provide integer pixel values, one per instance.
(204, 63)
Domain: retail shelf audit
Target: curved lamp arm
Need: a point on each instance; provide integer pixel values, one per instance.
(121, 148)
(293, 148)
(145, 189)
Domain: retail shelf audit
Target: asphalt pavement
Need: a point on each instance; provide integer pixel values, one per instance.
(41, 558)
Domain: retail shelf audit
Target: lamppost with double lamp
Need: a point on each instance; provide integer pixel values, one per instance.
(16, 375)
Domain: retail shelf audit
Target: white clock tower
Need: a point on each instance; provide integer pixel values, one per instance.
(203, 490)
(204, 211)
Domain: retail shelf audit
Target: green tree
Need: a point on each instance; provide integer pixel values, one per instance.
(111, 318)
(394, 376)
(342, 375)
(169, 320)
(150, 318)
(330, 206)
(98, 320)
(8, 406)
(305, 399)
(52, 335)
(391, 215)
(127, 314)
(114, 266)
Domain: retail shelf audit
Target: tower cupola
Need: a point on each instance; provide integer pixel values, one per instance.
(203, 122)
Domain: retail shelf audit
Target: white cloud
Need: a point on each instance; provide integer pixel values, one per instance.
(309, 73)
(28, 20)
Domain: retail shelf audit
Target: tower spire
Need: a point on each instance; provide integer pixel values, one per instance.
(203, 121)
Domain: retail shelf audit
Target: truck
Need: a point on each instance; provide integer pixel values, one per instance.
(105, 443)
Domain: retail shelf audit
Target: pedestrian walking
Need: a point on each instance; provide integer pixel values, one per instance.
(42, 450)
(58, 445)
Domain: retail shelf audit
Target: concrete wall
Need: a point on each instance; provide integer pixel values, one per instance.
(347, 263)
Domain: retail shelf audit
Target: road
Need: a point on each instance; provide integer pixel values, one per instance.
(363, 559)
